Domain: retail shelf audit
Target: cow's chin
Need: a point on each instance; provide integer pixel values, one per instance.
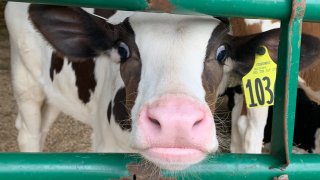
(174, 159)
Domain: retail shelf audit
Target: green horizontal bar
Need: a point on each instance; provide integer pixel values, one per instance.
(130, 5)
(274, 9)
(29, 166)
(313, 10)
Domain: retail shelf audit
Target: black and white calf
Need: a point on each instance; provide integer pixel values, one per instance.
(145, 82)
(248, 124)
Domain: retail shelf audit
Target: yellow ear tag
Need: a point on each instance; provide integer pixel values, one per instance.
(258, 84)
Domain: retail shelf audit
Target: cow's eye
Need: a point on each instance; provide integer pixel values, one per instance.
(123, 51)
(222, 53)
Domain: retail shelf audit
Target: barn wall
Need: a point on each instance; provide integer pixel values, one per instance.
(240, 28)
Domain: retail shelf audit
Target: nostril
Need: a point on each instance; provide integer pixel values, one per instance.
(155, 122)
(197, 123)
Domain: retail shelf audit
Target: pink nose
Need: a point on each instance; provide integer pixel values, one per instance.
(176, 122)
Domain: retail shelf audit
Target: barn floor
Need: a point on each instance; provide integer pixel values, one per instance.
(66, 134)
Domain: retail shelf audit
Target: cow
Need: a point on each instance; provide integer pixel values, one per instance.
(248, 124)
(306, 130)
(145, 82)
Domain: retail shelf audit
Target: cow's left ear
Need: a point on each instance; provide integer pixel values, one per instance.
(243, 49)
(72, 31)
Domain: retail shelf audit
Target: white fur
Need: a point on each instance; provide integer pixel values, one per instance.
(252, 21)
(265, 24)
(236, 145)
(247, 130)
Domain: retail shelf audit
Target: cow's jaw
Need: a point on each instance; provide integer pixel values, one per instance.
(173, 125)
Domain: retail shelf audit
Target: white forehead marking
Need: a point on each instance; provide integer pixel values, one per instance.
(172, 50)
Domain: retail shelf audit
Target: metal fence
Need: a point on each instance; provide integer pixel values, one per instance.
(228, 166)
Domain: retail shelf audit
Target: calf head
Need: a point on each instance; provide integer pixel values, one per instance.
(172, 67)
(244, 48)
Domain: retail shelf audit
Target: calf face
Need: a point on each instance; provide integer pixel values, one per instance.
(172, 67)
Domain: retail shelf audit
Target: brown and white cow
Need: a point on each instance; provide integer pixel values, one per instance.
(145, 82)
(248, 124)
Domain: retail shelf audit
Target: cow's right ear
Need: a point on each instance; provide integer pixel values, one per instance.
(72, 31)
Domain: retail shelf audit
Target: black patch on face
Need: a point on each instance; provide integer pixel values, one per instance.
(130, 69)
(56, 64)
(85, 79)
(230, 92)
(106, 13)
(309, 52)
(109, 111)
(120, 110)
(212, 72)
(217, 38)
(244, 49)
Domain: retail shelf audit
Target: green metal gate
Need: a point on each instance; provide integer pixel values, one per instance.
(228, 166)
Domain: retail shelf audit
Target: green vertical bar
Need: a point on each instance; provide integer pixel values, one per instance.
(286, 83)
(279, 114)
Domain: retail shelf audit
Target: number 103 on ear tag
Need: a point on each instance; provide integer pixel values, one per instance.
(258, 84)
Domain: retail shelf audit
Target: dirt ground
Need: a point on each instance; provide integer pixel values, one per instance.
(66, 135)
